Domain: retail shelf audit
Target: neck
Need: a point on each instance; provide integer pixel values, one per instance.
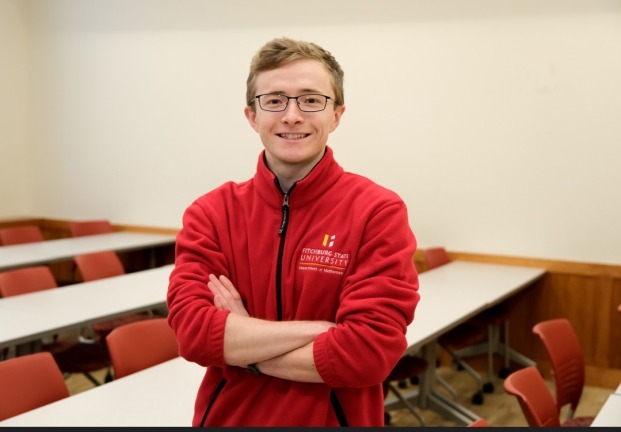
(288, 174)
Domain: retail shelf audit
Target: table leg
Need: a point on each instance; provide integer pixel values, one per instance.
(429, 398)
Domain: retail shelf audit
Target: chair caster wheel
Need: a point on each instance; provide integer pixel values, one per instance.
(503, 373)
(414, 380)
(402, 385)
(488, 387)
(477, 398)
(386, 419)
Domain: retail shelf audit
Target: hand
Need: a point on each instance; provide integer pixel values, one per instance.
(226, 296)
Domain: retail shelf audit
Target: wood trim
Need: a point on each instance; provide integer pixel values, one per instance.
(59, 228)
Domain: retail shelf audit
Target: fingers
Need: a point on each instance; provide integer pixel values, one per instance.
(226, 296)
(226, 283)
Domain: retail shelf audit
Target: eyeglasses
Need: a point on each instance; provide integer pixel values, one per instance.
(306, 102)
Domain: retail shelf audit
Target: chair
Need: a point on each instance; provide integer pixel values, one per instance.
(90, 227)
(29, 382)
(567, 362)
(435, 257)
(479, 423)
(26, 280)
(20, 234)
(100, 265)
(140, 345)
(534, 397)
(86, 228)
(407, 367)
(71, 356)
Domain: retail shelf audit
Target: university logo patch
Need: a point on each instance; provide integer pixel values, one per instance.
(324, 260)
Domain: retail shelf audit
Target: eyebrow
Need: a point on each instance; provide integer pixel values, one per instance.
(302, 92)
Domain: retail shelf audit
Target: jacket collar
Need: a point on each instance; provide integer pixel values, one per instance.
(321, 178)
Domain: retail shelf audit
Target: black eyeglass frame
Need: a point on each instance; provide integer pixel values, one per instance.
(297, 101)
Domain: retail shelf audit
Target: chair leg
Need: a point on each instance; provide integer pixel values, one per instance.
(109, 377)
(492, 339)
(92, 379)
(407, 404)
(504, 372)
(449, 388)
(477, 397)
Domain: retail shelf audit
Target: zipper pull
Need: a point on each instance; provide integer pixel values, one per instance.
(285, 213)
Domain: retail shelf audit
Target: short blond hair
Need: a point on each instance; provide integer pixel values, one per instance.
(281, 51)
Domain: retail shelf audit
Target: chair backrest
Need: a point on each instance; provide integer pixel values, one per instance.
(479, 423)
(435, 257)
(140, 345)
(566, 359)
(20, 234)
(534, 396)
(90, 227)
(99, 265)
(28, 382)
(26, 280)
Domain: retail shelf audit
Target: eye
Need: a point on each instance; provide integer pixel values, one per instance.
(311, 99)
(272, 100)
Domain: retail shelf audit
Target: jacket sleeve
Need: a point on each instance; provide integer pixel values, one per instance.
(376, 305)
(198, 325)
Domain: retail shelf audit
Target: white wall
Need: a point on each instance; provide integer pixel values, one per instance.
(15, 190)
(497, 121)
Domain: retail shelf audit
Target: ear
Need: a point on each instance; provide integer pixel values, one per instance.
(338, 112)
(251, 115)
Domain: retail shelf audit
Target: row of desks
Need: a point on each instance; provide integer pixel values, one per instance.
(50, 251)
(32, 316)
(449, 295)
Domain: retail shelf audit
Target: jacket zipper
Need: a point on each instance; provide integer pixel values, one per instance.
(282, 233)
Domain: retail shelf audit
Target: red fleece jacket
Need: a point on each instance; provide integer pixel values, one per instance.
(345, 256)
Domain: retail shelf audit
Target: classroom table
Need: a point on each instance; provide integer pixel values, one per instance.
(49, 251)
(30, 317)
(159, 396)
(610, 413)
(450, 295)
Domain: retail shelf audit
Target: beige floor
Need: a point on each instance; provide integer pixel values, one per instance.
(498, 408)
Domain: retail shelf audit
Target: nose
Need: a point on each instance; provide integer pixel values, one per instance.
(292, 114)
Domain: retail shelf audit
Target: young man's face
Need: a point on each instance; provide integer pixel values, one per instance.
(294, 140)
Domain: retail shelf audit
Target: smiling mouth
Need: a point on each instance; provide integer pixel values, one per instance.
(293, 136)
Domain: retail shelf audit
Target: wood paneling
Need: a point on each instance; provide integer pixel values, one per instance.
(584, 293)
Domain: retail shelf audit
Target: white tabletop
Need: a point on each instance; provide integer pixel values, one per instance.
(162, 395)
(32, 316)
(457, 291)
(610, 413)
(62, 249)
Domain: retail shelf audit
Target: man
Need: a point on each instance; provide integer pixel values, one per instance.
(294, 288)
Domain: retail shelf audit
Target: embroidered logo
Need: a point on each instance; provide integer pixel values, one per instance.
(324, 260)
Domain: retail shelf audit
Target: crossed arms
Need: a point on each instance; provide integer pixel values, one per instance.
(283, 349)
